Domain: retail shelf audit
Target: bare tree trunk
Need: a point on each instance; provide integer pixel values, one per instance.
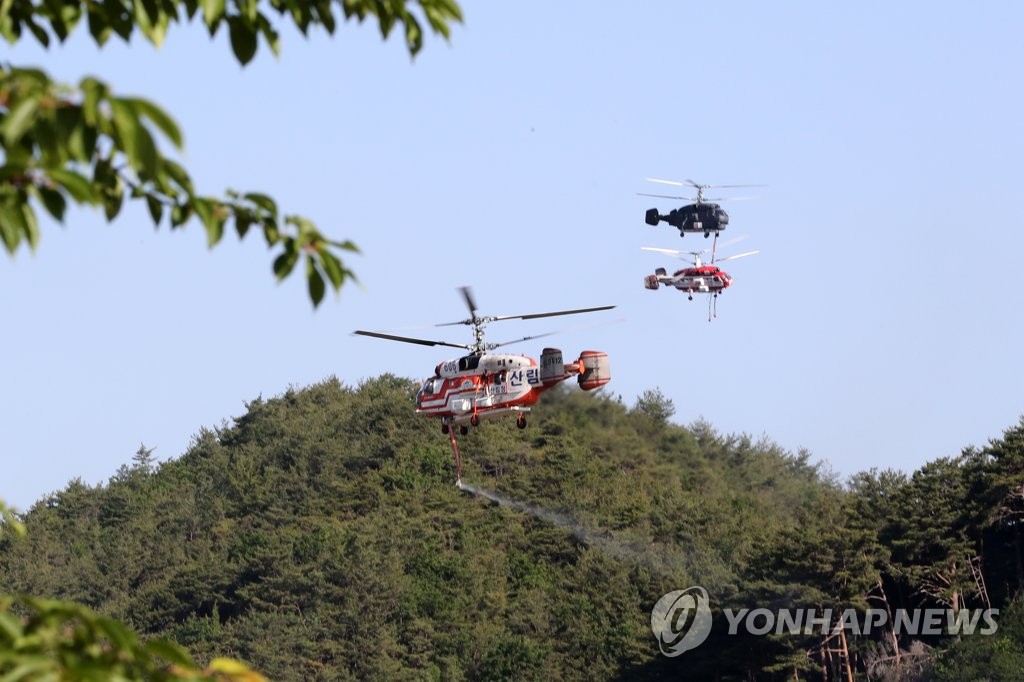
(892, 626)
(846, 655)
(824, 665)
(1020, 559)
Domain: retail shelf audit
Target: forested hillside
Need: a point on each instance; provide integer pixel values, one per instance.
(320, 536)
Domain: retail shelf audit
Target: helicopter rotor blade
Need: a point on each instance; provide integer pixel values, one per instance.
(738, 255)
(563, 330)
(409, 339)
(525, 338)
(671, 252)
(533, 316)
(669, 182)
(664, 196)
(699, 185)
(730, 242)
(467, 294)
(678, 254)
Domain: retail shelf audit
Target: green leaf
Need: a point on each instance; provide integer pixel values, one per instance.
(70, 15)
(38, 31)
(136, 142)
(98, 26)
(148, 156)
(315, 281)
(52, 152)
(82, 141)
(272, 37)
(178, 174)
(156, 209)
(54, 203)
(160, 119)
(31, 669)
(12, 226)
(113, 196)
(413, 36)
(285, 263)
(121, 637)
(233, 669)
(323, 8)
(170, 652)
(243, 39)
(204, 209)
(271, 233)
(31, 226)
(332, 268)
(263, 201)
(180, 213)
(347, 245)
(243, 221)
(92, 92)
(213, 12)
(119, 20)
(214, 231)
(306, 228)
(80, 189)
(19, 119)
(10, 626)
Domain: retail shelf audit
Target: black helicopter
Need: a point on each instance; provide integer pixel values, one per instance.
(703, 215)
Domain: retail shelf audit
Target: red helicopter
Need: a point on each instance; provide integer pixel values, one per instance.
(481, 385)
(701, 278)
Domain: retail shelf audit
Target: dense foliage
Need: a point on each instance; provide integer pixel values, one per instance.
(319, 536)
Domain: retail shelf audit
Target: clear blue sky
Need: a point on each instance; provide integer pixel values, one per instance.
(878, 327)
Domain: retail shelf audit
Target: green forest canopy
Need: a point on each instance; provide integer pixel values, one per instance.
(319, 536)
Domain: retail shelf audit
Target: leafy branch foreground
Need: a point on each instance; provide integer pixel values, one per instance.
(61, 640)
(84, 145)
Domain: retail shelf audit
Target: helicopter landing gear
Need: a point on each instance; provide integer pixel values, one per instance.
(463, 430)
(445, 428)
(521, 421)
(474, 420)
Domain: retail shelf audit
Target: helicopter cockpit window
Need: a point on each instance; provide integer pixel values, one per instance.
(428, 387)
(468, 363)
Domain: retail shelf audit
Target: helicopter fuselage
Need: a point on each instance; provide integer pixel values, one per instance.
(467, 389)
(705, 217)
(704, 279)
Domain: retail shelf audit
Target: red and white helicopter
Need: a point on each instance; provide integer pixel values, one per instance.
(481, 385)
(700, 279)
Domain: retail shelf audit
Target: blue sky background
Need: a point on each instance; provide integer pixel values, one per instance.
(878, 327)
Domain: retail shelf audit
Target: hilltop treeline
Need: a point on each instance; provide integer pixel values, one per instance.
(319, 536)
